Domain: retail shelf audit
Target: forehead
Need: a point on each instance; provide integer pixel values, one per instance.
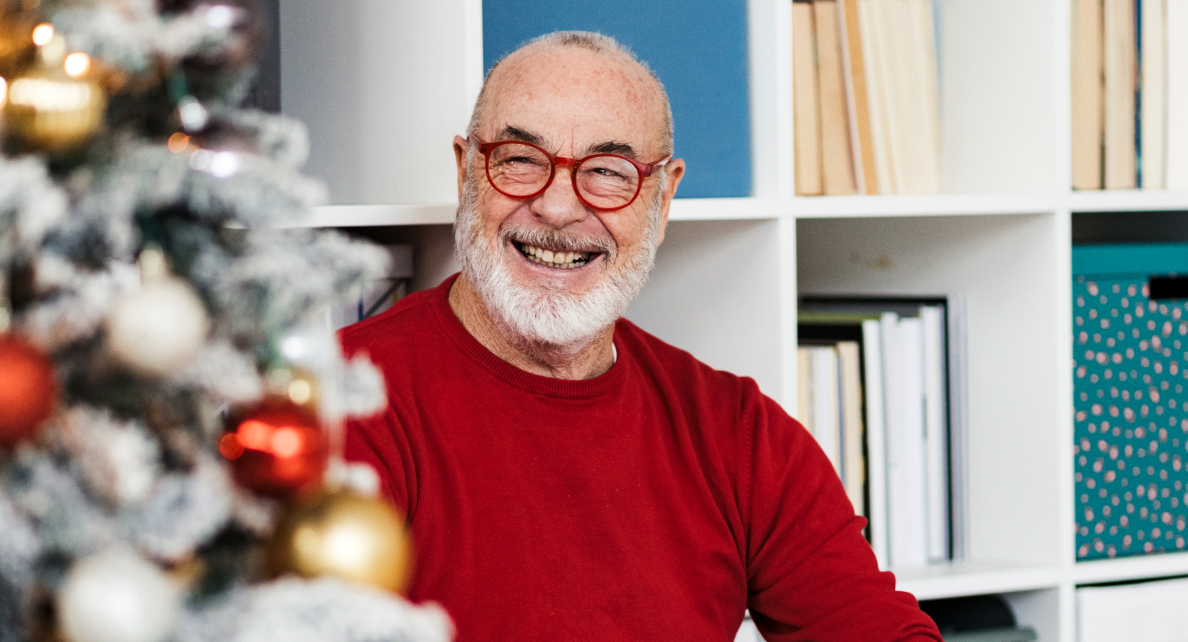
(575, 98)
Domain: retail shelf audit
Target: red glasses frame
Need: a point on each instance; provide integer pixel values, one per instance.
(645, 170)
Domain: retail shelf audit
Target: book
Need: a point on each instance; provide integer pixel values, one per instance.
(1176, 169)
(826, 403)
(892, 28)
(936, 430)
(876, 459)
(852, 428)
(804, 388)
(1087, 94)
(857, 100)
(837, 165)
(1153, 94)
(806, 105)
(1120, 63)
(906, 482)
(877, 77)
(926, 96)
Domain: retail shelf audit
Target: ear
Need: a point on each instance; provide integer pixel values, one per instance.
(676, 171)
(460, 158)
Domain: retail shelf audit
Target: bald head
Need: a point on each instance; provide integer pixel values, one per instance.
(618, 66)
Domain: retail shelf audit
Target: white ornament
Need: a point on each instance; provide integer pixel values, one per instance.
(118, 596)
(158, 328)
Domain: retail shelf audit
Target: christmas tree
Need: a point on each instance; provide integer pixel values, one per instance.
(171, 396)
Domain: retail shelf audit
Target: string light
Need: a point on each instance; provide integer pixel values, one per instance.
(76, 64)
(42, 34)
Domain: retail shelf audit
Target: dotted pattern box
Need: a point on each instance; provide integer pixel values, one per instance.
(1131, 428)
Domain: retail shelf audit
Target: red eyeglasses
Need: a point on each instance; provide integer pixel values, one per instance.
(604, 182)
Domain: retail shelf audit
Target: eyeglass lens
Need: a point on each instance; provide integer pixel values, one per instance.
(604, 181)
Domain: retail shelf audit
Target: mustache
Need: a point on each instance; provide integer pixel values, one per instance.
(558, 240)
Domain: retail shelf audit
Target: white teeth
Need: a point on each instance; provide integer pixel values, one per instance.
(549, 258)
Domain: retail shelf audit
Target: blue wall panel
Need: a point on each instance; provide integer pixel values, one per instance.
(699, 50)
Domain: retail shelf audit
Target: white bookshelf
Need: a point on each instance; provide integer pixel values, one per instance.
(371, 77)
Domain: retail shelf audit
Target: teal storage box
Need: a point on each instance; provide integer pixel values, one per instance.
(1130, 352)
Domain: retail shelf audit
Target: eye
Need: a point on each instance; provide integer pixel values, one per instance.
(605, 172)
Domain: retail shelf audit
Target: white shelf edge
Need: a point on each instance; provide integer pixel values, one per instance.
(1128, 201)
(922, 205)
(802, 207)
(976, 578)
(1138, 567)
(377, 215)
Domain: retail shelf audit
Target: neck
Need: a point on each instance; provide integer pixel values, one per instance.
(547, 360)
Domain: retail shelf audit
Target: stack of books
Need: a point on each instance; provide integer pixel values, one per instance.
(877, 388)
(1129, 81)
(865, 97)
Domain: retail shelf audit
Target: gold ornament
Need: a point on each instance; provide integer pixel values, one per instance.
(343, 534)
(55, 106)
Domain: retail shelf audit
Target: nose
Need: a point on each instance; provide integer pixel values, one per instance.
(559, 205)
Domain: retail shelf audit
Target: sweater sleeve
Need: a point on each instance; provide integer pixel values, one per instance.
(810, 573)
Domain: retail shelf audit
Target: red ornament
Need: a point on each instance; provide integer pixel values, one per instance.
(277, 450)
(28, 390)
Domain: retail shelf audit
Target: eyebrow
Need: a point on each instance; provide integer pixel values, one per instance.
(614, 147)
(511, 132)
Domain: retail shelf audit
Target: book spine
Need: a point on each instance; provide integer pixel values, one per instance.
(1153, 89)
(906, 487)
(1177, 94)
(853, 463)
(936, 432)
(876, 450)
(836, 162)
(1121, 52)
(876, 81)
(857, 99)
(826, 403)
(806, 117)
(804, 388)
(1087, 94)
(926, 134)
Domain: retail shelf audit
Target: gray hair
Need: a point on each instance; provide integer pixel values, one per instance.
(598, 43)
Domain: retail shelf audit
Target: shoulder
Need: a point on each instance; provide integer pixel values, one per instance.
(676, 363)
(688, 378)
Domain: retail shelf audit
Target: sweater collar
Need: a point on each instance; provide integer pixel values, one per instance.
(563, 388)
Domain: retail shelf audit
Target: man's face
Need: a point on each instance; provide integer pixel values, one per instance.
(572, 103)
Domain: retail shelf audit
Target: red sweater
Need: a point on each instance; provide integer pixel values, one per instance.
(654, 502)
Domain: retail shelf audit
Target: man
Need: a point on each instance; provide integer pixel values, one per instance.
(566, 475)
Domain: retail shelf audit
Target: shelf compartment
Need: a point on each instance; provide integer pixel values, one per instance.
(1005, 270)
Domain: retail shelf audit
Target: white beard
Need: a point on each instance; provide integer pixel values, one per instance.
(546, 316)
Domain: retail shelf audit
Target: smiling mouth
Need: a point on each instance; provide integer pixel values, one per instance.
(555, 259)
